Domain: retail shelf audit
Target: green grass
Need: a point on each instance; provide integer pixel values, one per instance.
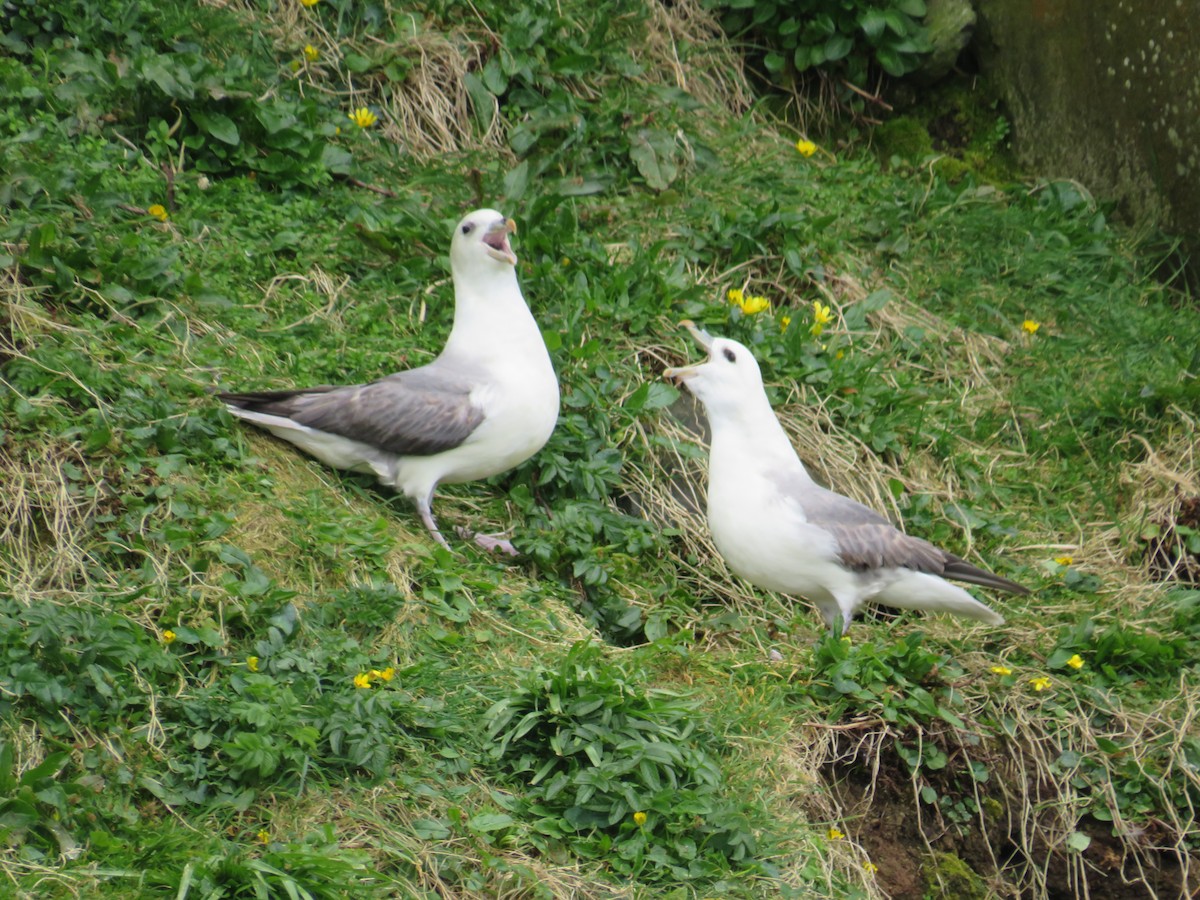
(616, 668)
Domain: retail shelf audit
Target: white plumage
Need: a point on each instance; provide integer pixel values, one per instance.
(781, 531)
(487, 403)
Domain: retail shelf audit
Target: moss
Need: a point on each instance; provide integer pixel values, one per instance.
(946, 875)
(956, 118)
(992, 808)
(904, 137)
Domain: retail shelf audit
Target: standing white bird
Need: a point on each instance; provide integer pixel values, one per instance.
(781, 531)
(488, 402)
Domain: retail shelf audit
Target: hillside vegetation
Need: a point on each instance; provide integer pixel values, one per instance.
(228, 671)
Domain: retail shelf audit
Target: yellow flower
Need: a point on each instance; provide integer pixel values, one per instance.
(1040, 683)
(806, 148)
(870, 868)
(309, 2)
(1075, 662)
(822, 316)
(311, 53)
(755, 305)
(1001, 670)
(840, 354)
(362, 117)
(1031, 326)
(263, 836)
(362, 680)
(784, 322)
(748, 305)
(168, 636)
(294, 65)
(388, 674)
(1064, 560)
(158, 211)
(639, 819)
(834, 834)
(252, 663)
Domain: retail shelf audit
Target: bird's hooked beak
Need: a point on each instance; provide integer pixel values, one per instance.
(496, 239)
(704, 339)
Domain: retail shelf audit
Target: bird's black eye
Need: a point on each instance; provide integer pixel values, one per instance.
(729, 355)
(466, 229)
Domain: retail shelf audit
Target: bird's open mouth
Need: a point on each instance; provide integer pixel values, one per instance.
(497, 241)
(704, 339)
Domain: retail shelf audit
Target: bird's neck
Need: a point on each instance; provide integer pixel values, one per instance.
(494, 315)
(751, 435)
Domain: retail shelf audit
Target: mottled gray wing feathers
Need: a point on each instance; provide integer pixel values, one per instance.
(866, 540)
(414, 413)
(875, 546)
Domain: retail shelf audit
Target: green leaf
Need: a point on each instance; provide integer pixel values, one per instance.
(872, 23)
(487, 822)
(516, 181)
(837, 47)
(1078, 841)
(219, 126)
(651, 395)
(655, 165)
(483, 102)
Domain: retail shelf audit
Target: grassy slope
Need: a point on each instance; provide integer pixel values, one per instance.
(134, 505)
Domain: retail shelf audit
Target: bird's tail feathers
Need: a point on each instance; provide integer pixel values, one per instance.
(961, 570)
(930, 594)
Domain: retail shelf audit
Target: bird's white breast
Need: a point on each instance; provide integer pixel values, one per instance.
(764, 536)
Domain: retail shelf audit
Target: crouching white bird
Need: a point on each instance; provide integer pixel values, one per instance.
(488, 402)
(781, 531)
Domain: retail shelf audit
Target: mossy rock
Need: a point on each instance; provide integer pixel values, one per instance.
(905, 137)
(947, 875)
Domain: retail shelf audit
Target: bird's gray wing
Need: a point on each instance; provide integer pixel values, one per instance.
(415, 413)
(866, 540)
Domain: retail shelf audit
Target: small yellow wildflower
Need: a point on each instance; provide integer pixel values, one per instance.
(362, 680)
(639, 819)
(840, 354)
(294, 65)
(252, 663)
(755, 305)
(1064, 560)
(806, 148)
(1001, 670)
(1040, 683)
(311, 53)
(263, 836)
(388, 674)
(158, 211)
(749, 305)
(1031, 326)
(822, 316)
(834, 834)
(362, 117)
(1075, 662)
(168, 636)
(870, 868)
(309, 2)
(784, 322)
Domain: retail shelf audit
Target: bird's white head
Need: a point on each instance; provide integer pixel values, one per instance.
(727, 380)
(480, 243)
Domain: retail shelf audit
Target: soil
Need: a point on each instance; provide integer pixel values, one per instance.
(920, 856)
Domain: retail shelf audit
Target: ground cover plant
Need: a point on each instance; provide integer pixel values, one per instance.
(227, 671)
